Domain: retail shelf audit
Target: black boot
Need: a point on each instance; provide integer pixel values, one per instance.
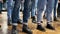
(26, 29)
(49, 26)
(19, 21)
(33, 19)
(39, 27)
(14, 30)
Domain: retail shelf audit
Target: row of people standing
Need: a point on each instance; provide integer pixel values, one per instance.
(43, 7)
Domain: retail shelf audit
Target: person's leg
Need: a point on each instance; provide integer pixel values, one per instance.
(4, 5)
(14, 16)
(33, 11)
(32, 8)
(55, 10)
(19, 21)
(22, 5)
(26, 14)
(9, 10)
(40, 11)
(36, 7)
(49, 7)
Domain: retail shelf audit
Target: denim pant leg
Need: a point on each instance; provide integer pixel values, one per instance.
(26, 12)
(9, 8)
(36, 7)
(40, 10)
(15, 11)
(0, 7)
(36, 3)
(22, 5)
(55, 8)
(5, 6)
(33, 8)
(18, 17)
(49, 7)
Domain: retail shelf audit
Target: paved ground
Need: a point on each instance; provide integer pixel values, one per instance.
(32, 26)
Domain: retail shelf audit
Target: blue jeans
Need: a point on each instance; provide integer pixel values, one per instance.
(49, 10)
(26, 12)
(9, 8)
(4, 6)
(22, 5)
(40, 9)
(15, 11)
(55, 8)
(33, 7)
(49, 4)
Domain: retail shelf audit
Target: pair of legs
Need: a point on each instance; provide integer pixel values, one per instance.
(55, 10)
(41, 6)
(10, 6)
(26, 14)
